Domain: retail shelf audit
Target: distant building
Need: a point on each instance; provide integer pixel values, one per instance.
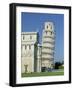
(36, 57)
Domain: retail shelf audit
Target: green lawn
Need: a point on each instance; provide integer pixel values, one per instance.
(34, 74)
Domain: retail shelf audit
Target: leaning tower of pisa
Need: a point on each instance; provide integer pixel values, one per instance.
(48, 45)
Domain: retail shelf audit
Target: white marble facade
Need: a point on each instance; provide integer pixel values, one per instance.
(34, 56)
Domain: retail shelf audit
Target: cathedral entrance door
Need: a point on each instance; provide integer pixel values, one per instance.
(26, 68)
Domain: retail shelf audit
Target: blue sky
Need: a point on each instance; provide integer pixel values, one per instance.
(32, 22)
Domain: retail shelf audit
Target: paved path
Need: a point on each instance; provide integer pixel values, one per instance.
(60, 70)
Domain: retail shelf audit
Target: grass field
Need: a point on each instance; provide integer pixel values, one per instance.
(35, 74)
